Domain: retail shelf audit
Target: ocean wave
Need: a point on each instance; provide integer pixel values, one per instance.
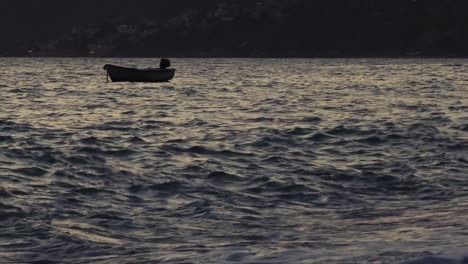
(361, 161)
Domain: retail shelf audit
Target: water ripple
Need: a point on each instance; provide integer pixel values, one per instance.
(299, 161)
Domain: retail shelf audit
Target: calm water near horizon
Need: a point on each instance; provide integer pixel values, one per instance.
(234, 161)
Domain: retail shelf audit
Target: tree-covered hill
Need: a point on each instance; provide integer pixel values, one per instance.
(307, 28)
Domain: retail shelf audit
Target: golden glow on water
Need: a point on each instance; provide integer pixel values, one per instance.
(75, 96)
(242, 160)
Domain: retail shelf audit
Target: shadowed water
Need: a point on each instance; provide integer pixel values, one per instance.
(234, 161)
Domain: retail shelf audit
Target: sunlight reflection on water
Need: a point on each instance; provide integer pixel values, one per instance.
(245, 160)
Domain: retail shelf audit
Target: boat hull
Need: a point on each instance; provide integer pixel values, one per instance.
(124, 74)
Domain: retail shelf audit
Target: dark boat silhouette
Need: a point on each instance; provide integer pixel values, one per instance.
(125, 74)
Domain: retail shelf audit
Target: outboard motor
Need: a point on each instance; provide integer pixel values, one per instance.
(165, 63)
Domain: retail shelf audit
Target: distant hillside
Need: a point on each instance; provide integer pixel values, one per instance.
(274, 28)
(29, 21)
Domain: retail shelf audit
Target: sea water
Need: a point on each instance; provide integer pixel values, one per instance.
(234, 161)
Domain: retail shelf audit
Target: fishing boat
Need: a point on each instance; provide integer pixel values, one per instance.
(125, 74)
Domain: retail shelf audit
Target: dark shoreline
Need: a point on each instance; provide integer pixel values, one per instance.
(244, 56)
